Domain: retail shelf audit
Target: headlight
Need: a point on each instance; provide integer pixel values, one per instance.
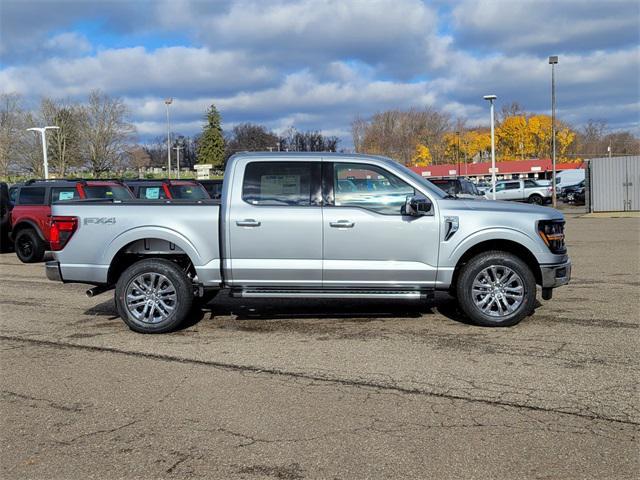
(552, 233)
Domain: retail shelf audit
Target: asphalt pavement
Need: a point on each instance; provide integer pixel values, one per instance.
(318, 389)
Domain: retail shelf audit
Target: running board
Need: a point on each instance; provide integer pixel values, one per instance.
(288, 293)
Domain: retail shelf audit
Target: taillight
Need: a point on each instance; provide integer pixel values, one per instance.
(552, 233)
(61, 230)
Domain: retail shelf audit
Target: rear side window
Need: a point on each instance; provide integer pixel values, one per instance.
(512, 185)
(31, 196)
(530, 183)
(281, 183)
(64, 194)
(188, 192)
(152, 193)
(115, 192)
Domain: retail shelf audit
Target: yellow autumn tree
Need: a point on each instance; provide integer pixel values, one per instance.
(421, 156)
(513, 138)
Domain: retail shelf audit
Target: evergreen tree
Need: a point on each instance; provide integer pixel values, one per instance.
(211, 148)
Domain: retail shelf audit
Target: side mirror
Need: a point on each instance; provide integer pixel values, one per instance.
(417, 206)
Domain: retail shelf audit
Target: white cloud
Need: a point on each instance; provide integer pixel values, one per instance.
(68, 43)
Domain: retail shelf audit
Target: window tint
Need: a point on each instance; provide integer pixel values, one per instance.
(151, 193)
(31, 196)
(115, 192)
(512, 185)
(370, 187)
(63, 194)
(13, 195)
(188, 192)
(281, 183)
(530, 183)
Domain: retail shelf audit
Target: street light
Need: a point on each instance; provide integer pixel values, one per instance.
(167, 102)
(553, 61)
(490, 99)
(177, 148)
(45, 160)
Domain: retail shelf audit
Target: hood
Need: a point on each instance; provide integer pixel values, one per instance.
(498, 206)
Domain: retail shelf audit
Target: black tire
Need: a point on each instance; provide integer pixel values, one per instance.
(181, 304)
(467, 298)
(536, 199)
(29, 246)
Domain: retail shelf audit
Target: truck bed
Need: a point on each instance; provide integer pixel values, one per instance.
(106, 229)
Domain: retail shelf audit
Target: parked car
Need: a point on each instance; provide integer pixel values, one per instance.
(167, 189)
(5, 217)
(213, 187)
(31, 214)
(568, 194)
(522, 190)
(457, 187)
(285, 229)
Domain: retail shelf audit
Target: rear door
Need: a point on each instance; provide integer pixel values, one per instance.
(368, 243)
(275, 223)
(509, 191)
(34, 207)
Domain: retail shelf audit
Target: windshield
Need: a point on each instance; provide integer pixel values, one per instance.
(448, 185)
(426, 184)
(115, 192)
(188, 192)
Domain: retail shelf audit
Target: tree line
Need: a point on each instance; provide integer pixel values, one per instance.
(421, 137)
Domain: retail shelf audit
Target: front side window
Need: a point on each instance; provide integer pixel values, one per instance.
(370, 187)
(31, 196)
(64, 194)
(281, 183)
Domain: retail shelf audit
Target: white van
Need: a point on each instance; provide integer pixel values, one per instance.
(566, 178)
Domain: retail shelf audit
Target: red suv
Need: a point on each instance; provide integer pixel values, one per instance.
(31, 214)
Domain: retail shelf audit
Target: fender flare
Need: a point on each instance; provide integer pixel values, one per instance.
(147, 232)
(22, 223)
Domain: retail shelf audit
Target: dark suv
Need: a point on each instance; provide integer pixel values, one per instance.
(167, 189)
(5, 216)
(457, 187)
(31, 214)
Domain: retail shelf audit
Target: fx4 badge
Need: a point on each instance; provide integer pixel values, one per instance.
(99, 220)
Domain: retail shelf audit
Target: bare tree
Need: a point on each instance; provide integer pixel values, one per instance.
(11, 131)
(64, 143)
(105, 132)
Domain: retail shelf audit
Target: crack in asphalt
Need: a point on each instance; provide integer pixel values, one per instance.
(284, 373)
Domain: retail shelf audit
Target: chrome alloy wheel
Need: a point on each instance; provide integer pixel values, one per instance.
(497, 291)
(151, 297)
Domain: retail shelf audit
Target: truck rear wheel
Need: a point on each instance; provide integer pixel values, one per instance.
(535, 199)
(496, 289)
(154, 296)
(29, 246)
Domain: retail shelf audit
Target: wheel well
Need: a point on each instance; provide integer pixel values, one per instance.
(514, 248)
(24, 225)
(144, 249)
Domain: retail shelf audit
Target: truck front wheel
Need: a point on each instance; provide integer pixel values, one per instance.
(496, 289)
(154, 296)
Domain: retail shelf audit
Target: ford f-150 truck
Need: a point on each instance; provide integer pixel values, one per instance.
(521, 191)
(292, 225)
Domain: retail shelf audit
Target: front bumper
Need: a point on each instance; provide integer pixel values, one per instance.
(52, 268)
(555, 275)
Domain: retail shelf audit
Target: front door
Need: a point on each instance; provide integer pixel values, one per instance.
(368, 243)
(275, 224)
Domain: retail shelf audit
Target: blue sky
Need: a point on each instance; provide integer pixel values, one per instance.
(317, 64)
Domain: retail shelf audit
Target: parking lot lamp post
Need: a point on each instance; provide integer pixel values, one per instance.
(458, 154)
(177, 148)
(168, 102)
(43, 135)
(553, 60)
(490, 99)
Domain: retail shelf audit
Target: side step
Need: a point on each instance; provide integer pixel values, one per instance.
(315, 293)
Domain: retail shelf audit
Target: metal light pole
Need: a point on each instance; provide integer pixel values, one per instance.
(458, 155)
(43, 134)
(553, 61)
(167, 102)
(177, 148)
(491, 98)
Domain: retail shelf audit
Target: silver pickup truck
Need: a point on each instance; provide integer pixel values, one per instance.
(522, 190)
(320, 225)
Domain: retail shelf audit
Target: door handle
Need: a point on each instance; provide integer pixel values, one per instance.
(342, 224)
(248, 222)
